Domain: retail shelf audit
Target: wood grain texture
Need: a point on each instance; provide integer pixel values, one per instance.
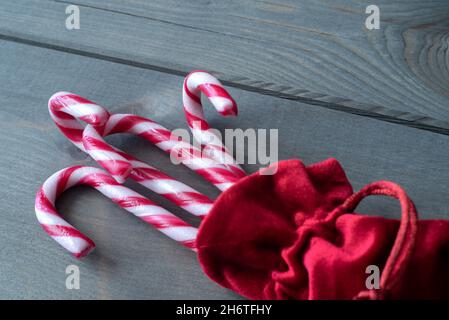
(132, 260)
(317, 52)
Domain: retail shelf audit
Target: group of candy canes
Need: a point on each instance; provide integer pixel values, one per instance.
(211, 160)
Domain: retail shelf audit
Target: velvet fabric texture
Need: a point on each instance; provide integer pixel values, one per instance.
(294, 235)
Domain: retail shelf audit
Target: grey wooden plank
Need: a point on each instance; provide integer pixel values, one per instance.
(315, 52)
(132, 260)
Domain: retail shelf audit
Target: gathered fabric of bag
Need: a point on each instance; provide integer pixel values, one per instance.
(294, 235)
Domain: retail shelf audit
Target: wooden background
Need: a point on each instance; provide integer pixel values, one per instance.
(376, 100)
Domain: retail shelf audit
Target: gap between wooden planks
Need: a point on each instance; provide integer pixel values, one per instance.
(149, 36)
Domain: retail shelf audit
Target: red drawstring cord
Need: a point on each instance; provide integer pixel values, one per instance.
(405, 240)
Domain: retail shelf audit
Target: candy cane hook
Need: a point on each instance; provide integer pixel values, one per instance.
(79, 244)
(65, 108)
(198, 82)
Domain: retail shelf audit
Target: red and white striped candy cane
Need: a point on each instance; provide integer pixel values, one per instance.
(118, 163)
(177, 192)
(198, 82)
(79, 244)
(214, 172)
(66, 108)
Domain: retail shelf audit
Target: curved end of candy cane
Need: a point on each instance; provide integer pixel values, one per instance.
(54, 103)
(202, 81)
(77, 107)
(78, 244)
(56, 95)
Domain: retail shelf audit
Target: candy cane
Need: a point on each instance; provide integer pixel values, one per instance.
(195, 83)
(118, 163)
(65, 108)
(216, 173)
(177, 192)
(79, 244)
(148, 176)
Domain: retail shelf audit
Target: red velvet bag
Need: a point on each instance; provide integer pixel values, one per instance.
(294, 235)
